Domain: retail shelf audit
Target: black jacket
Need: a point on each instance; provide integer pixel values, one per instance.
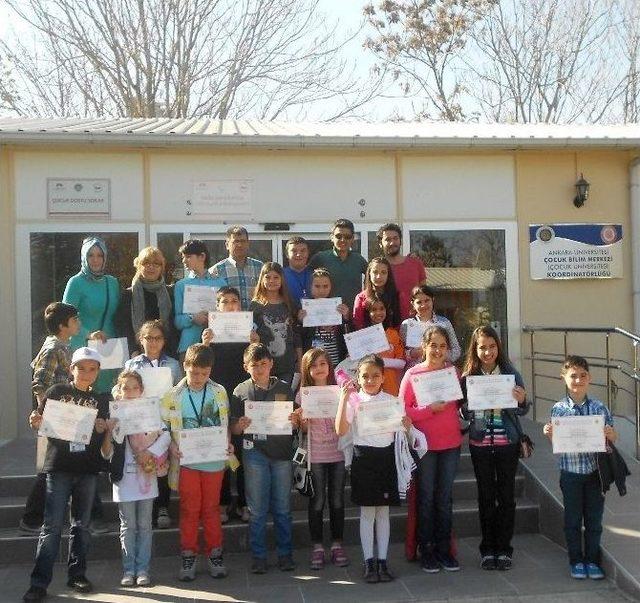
(612, 468)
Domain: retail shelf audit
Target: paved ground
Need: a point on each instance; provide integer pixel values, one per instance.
(540, 574)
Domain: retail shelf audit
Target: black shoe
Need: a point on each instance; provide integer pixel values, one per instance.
(80, 584)
(286, 563)
(35, 593)
(488, 562)
(430, 564)
(371, 571)
(258, 566)
(504, 562)
(383, 571)
(448, 562)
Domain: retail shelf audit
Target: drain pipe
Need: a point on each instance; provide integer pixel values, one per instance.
(634, 196)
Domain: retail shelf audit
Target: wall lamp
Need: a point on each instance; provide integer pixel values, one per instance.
(582, 191)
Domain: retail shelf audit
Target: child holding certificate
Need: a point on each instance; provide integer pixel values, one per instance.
(135, 465)
(327, 465)
(422, 304)
(330, 337)
(437, 468)
(494, 443)
(378, 283)
(152, 337)
(266, 459)
(377, 312)
(197, 402)
(582, 494)
(276, 319)
(374, 479)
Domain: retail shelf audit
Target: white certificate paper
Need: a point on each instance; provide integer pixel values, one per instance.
(320, 402)
(578, 434)
(69, 422)
(231, 327)
(379, 416)
(157, 380)
(436, 386)
(198, 299)
(269, 418)
(370, 340)
(415, 331)
(203, 445)
(135, 416)
(321, 312)
(114, 352)
(485, 392)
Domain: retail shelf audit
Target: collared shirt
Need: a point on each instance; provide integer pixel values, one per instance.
(51, 365)
(244, 279)
(580, 462)
(346, 274)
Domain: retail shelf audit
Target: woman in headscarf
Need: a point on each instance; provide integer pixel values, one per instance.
(148, 298)
(96, 295)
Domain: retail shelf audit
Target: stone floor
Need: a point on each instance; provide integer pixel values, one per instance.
(540, 574)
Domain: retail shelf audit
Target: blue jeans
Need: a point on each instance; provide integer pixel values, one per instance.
(135, 535)
(81, 487)
(267, 485)
(583, 501)
(436, 472)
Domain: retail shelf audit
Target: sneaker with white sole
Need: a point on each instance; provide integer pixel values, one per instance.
(143, 579)
(188, 567)
(128, 580)
(216, 564)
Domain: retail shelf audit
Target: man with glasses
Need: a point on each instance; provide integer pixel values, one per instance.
(345, 266)
(238, 270)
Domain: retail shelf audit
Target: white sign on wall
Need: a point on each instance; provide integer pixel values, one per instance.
(79, 197)
(575, 251)
(223, 198)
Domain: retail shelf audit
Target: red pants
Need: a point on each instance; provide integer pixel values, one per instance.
(200, 503)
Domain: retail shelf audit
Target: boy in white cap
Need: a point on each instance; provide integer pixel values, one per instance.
(71, 470)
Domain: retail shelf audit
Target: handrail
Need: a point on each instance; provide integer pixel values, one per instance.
(633, 370)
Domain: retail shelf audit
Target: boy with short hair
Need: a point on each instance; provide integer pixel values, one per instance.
(297, 273)
(50, 366)
(581, 489)
(267, 460)
(71, 470)
(197, 402)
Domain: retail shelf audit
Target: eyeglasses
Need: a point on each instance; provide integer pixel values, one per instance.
(343, 237)
(151, 338)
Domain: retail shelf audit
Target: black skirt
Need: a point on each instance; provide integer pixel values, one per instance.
(374, 480)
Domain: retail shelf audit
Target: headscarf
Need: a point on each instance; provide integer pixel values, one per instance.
(87, 244)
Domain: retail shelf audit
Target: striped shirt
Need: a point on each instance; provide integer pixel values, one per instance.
(580, 462)
(244, 279)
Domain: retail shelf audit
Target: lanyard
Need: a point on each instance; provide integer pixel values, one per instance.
(198, 415)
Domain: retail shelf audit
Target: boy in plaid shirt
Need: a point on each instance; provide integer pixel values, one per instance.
(579, 481)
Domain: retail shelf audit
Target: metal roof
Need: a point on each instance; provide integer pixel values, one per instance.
(256, 133)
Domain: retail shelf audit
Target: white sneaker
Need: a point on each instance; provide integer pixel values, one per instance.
(143, 579)
(127, 580)
(188, 567)
(216, 564)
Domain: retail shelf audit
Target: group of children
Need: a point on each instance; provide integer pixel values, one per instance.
(221, 378)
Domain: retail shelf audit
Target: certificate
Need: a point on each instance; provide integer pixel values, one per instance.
(269, 418)
(135, 416)
(114, 352)
(415, 331)
(231, 327)
(198, 299)
(321, 312)
(320, 402)
(379, 416)
(436, 386)
(203, 445)
(157, 381)
(485, 392)
(578, 434)
(370, 340)
(67, 421)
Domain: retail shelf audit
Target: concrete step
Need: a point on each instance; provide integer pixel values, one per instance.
(16, 547)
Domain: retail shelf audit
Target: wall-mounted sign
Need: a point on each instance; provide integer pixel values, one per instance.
(221, 198)
(79, 197)
(575, 251)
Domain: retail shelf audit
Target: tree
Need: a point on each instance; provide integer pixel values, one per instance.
(628, 40)
(421, 42)
(178, 58)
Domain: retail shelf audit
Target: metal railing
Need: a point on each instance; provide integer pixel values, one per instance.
(606, 362)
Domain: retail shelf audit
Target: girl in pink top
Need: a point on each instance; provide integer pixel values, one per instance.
(437, 468)
(327, 464)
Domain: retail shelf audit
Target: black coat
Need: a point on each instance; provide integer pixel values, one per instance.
(612, 468)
